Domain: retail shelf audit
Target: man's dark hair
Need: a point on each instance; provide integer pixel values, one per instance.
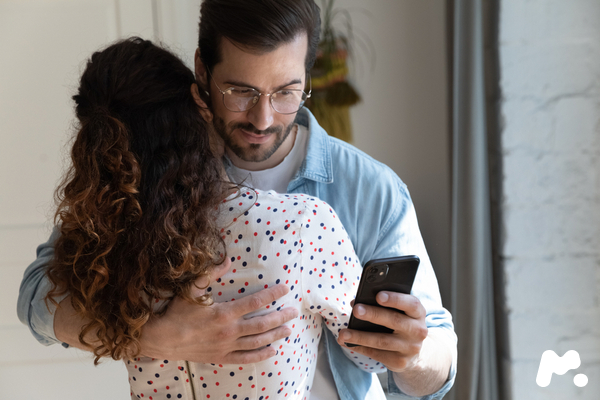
(258, 25)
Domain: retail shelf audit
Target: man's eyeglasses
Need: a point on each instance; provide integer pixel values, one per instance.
(284, 101)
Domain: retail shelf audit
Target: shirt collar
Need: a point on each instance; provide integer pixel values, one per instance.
(317, 165)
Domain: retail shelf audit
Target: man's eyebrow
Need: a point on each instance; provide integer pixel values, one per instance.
(243, 84)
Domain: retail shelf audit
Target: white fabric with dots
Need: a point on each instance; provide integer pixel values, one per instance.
(271, 238)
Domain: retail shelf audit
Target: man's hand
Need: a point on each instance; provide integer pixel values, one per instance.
(407, 351)
(398, 350)
(218, 333)
(205, 334)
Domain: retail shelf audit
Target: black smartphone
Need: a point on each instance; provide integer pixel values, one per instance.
(395, 274)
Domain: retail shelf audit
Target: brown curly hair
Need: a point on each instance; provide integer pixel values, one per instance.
(137, 207)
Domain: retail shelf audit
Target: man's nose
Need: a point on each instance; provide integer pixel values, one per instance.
(261, 115)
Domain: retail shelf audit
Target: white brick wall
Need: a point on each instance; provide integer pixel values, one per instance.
(550, 80)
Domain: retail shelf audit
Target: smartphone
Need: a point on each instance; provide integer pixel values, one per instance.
(395, 274)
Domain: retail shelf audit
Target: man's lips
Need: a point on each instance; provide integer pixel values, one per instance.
(254, 138)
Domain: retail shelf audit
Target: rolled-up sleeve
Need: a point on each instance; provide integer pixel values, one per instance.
(31, 307)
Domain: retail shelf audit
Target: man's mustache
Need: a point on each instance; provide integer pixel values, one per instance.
(252, 129)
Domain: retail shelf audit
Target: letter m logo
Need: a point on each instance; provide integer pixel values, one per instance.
(551, 363)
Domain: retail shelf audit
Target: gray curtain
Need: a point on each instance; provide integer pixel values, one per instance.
(473, 290)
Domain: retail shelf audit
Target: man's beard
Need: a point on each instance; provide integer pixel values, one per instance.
(254, 152)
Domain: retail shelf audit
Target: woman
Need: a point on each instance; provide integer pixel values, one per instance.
(146, 211)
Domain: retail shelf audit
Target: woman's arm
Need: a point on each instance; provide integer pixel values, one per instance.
(331, 273)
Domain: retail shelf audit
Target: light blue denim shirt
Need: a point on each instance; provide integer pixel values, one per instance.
(375, 207)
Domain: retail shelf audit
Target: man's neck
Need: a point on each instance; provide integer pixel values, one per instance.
(271, 162)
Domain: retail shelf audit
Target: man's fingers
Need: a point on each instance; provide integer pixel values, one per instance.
(403, 325)
(381, 316)
(388, 358)
(405, 302)
(381, 341)
(258, 341)
(265, 323)
(255, 301)
(249, 357)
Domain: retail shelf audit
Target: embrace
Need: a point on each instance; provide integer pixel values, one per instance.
(211, 235)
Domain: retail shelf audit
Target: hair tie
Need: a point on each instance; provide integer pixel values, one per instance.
(99, 111)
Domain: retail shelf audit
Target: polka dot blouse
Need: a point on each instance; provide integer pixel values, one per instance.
(271, 238)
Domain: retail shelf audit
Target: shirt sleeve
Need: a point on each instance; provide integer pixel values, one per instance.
(31, 307)
(330, 273)
(401, 236)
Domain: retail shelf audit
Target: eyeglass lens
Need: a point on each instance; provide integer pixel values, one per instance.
(284, 101)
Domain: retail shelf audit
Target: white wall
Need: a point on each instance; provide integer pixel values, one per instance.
(550, 80)
(43, 45)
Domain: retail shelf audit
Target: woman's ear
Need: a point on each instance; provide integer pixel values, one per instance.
(202, 107)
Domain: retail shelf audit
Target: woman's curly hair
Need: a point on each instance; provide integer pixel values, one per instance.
(136, 208)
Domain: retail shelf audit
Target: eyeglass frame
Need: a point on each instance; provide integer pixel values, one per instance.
(267, 95)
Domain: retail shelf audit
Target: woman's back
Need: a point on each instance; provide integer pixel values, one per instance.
(271, 238)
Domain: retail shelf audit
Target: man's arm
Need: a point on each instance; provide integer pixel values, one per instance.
(203, 334)
(421, 353)
(31, 307)
(431, 368)
(419, 357)
(217, 334)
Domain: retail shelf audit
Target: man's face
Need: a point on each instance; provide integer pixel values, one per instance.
(255, 135)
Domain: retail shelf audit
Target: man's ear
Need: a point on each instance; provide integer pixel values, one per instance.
(200, 71)
(202, 107)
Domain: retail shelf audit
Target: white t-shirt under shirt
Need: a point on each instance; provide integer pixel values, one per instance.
(278, 179)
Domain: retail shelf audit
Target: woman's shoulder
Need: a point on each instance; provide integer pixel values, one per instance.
(264, 199)
(292, 207)
(298, 203)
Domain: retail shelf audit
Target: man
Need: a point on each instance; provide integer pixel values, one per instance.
(251, 66)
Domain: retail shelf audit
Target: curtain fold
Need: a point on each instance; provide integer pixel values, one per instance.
(472, 299)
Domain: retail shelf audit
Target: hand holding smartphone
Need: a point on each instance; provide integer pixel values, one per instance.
(395, 274)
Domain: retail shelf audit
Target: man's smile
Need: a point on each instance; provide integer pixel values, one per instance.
(255, 138)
